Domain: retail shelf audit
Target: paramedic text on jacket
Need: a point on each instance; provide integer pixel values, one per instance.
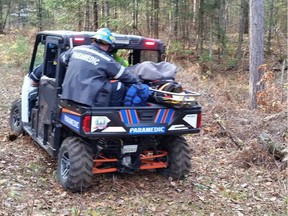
(90, 68)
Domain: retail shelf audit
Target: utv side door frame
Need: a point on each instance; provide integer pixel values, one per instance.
(47, 135)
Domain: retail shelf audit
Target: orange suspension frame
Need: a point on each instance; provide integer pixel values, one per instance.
(147, 162)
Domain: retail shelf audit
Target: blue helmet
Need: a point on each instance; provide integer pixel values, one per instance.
(104, 36)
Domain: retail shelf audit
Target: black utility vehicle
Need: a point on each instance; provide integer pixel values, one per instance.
(97, 140)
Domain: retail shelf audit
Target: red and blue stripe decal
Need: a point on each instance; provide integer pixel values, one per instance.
(164, 115)
(129, 116)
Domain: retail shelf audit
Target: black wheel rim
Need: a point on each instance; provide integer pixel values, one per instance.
(16, 117)
(65, 165)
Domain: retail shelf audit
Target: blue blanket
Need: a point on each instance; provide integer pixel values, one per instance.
(137, 95)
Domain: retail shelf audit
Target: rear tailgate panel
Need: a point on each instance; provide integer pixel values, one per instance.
(131, 121)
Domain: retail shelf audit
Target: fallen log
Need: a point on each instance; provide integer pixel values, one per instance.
(276, 149)
(285, 152)
(238, 142)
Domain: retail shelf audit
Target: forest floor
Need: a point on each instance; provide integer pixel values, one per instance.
(226, 178)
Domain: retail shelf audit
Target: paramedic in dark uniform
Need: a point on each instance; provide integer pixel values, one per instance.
(90, 69)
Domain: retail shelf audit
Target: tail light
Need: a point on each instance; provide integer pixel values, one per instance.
(86, 124)
(79, 39)
(199, 119)
(150, 43)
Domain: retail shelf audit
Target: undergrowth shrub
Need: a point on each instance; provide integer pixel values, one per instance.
(206, 57)
(178, 51)
(21, 50)
(254, 155)
(16, 51)
(271, 98)
(175, 47)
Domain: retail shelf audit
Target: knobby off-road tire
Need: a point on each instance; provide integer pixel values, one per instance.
(75, 164)
(15, 121)
(179, 157)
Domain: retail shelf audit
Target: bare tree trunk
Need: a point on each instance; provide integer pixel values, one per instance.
(194, 13)
(3, 16)
(155, 18)
(201, 27)
(256, 47)
(191, 21)
(95, 14)
(184, 18)
(115, 7)
(39, 5)
(2, 26)
(80, 18)
(171, 20)
(107, 12)
(211, 40)
(18, 15)
(246, 15)
(241, 31)
(221, 23)
(87, 16)
(176, 18)
(135, 16)
(223, 15)
(102, 13)
(148, 15)
(271, 23)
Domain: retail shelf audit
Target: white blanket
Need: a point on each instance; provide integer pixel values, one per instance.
(150, 71)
